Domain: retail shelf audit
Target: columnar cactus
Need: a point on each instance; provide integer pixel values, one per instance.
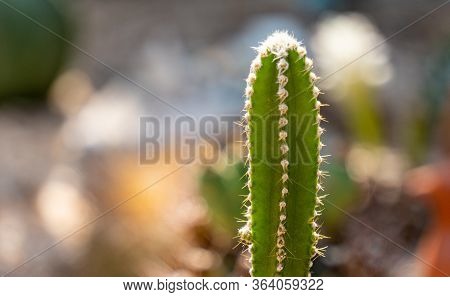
(282, 125)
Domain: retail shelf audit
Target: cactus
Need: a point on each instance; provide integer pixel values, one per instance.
(281, 122)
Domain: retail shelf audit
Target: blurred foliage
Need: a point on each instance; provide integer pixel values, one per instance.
(424, 120)
(30, 55)
(438, 79)
(343, 194)
(362, 115)
(223, 190)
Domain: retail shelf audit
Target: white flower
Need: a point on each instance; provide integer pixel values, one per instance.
(350, 49)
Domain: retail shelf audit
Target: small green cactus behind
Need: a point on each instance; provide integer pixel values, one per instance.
(221, 187)
(281, 122)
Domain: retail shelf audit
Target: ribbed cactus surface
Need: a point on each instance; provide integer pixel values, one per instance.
(282, 124)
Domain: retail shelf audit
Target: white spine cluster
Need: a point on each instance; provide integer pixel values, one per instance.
(245, 231)
(282, 66)
(321, 174)
(278, 44)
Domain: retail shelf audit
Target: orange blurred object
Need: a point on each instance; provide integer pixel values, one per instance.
(433, 183)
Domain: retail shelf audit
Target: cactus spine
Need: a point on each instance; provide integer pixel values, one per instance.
(282, 125)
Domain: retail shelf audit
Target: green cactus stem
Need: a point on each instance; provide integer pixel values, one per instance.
(281, 122)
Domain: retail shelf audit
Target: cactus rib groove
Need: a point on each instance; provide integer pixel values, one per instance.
(282, 125)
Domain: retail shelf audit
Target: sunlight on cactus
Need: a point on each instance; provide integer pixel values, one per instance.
(281, 122)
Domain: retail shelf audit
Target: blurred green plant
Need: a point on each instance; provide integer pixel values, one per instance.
(30, 55)
(362, 116)
(345, 196)
(352, 73)
(283, 139)
(222, 187)
(425, 115)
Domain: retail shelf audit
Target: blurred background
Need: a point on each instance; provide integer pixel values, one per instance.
(75, 77)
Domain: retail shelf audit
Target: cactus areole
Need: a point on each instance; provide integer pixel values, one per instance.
(282, 125)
